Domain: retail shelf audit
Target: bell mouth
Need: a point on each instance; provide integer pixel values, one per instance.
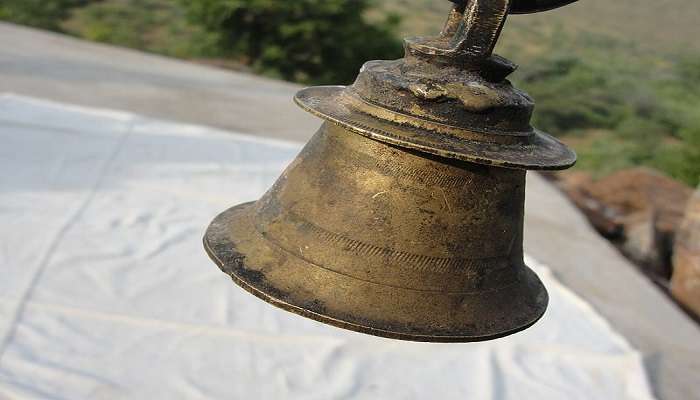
(294, 284)
(535, 150)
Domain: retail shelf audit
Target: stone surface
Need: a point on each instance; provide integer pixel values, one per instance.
(639, 209)
(685, 285)
(605, 219)
(643, 243)
(558, 233)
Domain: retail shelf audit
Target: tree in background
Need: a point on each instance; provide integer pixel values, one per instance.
(46, 14)
(308, 41)
(157, 26)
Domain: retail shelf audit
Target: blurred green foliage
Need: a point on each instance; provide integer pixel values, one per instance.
(46, 14)
(617, 104)
(617, 107)
(158, 26)
(308, 41)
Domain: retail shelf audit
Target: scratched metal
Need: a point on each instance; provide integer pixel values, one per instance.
(391, 251)
(403, 216)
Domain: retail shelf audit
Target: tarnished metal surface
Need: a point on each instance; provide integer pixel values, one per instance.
(532, 151)
(403, 216)
(532, 6)
(386, 241)
(529, 6)
(448, 96)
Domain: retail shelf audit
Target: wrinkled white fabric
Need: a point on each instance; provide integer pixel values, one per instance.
(106, 292)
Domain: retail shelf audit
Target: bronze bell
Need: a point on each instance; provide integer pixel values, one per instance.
(403, 216)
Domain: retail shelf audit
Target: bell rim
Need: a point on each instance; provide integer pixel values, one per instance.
(544, 153)
(221, 249)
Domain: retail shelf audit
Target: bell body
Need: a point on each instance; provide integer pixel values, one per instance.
(385, 240)
(403, 216)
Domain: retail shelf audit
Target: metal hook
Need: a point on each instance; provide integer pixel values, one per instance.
(529, 6)
(482, 22)
(474, 26)
(470, 33)
(533, 6)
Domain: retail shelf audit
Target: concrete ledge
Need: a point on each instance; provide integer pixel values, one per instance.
(559, 235)
(62, 68)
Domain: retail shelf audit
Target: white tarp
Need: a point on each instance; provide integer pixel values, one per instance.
(106, 292)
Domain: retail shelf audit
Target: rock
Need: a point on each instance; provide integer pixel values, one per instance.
(685, 284)
(604, 219)
(637, 190)
(643, 243)
(639, 209)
